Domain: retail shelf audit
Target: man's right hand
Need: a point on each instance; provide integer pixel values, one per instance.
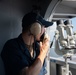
(44, 47)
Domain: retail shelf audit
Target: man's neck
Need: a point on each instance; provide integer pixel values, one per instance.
(28, 39)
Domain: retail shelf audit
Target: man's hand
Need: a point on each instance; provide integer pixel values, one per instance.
(44, 46)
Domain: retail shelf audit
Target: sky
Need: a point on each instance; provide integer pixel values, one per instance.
(74, 23)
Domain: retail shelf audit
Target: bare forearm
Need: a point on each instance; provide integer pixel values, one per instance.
(38, 63)
(36, 67)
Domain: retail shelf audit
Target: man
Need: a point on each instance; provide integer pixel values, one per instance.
(24, 55)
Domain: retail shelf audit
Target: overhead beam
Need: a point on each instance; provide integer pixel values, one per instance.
(64, 14)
